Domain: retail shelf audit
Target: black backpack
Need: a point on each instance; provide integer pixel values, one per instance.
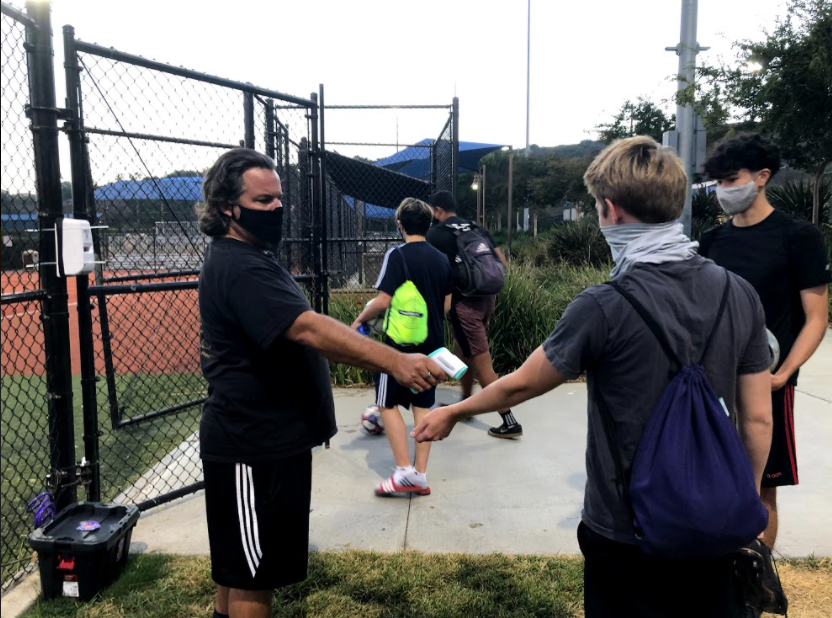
(477, 270)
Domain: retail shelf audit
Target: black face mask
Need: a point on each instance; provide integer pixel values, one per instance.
(267, 225)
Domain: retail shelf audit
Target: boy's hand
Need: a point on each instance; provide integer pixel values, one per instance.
(436, 425)
(778, 381)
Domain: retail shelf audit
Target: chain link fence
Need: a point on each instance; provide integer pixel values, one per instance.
(365, 181)
(152, 130)
(27, 432)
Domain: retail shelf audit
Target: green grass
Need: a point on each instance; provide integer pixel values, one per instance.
(351, 584)
(125, 454)
(402, 585)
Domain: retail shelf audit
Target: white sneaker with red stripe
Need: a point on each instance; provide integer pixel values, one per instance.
(404, 481)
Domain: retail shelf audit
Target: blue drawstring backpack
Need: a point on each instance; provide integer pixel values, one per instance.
(691, 489)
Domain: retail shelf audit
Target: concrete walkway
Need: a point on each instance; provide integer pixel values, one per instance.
(511, 496)
(489, 495)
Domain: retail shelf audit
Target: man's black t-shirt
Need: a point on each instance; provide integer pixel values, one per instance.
(431, 274)
(268, 397)
(442, 237)
(779, 257)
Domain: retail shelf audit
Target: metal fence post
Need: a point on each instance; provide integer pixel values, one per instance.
(248, 119)
(269, 134)
(317, 213)
(455, 146)
(325, 218)
(55, 311)
(80, 195)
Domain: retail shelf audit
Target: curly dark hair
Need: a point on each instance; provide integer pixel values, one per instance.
(223, 184)
(750, 151)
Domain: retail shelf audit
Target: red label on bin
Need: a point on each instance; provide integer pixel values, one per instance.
(66, 564)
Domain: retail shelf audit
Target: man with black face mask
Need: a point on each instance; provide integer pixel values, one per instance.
(264, 355)
(786, 262)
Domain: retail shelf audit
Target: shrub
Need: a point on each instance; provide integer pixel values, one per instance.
(795, 199)
(345, 307)
(705, 213)
(579, 243)
(530, 305)
(532, 253)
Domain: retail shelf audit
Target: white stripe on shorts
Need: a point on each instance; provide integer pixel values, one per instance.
(382, 390)
(245, 515)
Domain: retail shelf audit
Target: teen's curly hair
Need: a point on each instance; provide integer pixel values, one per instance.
(223, 184)
(750, 151)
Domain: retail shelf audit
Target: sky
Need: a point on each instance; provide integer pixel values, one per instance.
(587, 56)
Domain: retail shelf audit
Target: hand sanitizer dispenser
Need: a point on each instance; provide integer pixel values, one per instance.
(77, 254)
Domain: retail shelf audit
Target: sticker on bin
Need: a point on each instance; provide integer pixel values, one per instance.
(71, 588)
(88, 526)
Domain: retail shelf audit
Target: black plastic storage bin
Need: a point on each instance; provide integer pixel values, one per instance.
(78, 559)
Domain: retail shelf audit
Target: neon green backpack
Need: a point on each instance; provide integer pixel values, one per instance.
(406, 320)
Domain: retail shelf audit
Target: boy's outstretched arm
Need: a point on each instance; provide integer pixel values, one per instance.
(536, 377)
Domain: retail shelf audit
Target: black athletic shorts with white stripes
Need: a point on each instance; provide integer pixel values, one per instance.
(258, 521)
(390, 394)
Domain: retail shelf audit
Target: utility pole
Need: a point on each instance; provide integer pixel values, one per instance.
(685, 121)
(528, 69)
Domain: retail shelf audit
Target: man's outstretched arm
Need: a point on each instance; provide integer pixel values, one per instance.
(341, 344)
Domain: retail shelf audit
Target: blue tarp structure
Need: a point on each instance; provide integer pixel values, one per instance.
(414, 160)
(382, 192)
(187, 188)
(20, 222)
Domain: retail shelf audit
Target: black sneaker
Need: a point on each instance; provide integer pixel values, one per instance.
(506, 431)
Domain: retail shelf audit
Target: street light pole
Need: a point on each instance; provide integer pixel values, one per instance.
(528, 69)
(685, 121)
(482, 223)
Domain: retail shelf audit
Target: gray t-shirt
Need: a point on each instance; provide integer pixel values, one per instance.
(601, 334)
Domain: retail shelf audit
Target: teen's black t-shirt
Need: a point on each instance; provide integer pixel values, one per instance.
(268, 397)
(431, 274)
(779, 257)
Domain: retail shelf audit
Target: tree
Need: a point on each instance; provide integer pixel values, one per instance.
(781, 86)
(640, 118)
(183, 174)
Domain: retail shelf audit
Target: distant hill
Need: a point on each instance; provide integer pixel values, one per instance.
(586, 148)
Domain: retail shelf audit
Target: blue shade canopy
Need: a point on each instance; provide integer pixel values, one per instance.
(187, 188)
(404, 174)
(414, 160)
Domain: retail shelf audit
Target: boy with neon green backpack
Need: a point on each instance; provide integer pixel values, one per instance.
(414, 293)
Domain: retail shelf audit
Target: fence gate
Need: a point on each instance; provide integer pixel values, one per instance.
(364, 182)
(141, 135)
